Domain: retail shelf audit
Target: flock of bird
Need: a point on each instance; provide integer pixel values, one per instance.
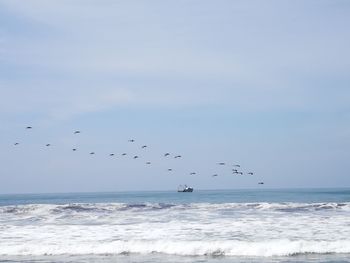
(235, 170)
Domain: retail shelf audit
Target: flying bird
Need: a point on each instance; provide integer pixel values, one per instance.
(16, 143)
(29, 127)
(123, 154)
(111, 154)
(92, 153)
(166, 154)
(170, 169)
(261, 183)
(48, 144)
(221, 163)
(132, 140)
(251, 173)
(177, 156)
(193, 173)
(214, 175)
(74, 149)
(144, 146)
(236, 165)
(76, 132)
(148, 163)
(135, 157)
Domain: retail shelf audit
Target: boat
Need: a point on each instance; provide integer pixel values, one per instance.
(184, 189)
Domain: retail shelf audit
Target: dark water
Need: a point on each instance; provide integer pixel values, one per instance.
(212, 196)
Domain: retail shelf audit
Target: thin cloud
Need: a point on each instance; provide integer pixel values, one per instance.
(80, 57)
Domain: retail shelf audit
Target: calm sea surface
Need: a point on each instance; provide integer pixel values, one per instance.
(299, 225)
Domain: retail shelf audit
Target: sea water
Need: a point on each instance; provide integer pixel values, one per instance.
(305, 225)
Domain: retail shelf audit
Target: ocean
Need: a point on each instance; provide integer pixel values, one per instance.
(286, 225)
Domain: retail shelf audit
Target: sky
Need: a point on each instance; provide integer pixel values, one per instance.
(263, 84)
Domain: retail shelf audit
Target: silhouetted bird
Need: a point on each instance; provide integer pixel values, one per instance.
(193, 173)
(135, 157)
(74, 149)
(16, 143)
(170, 169)
(235, 170)
(92, 153)
(132, 140)
(251, 173)
(76, 132)
(123, 154)
(148, 163)
(177, 156)
(166, 154)
(111, 154)
(261, 183)
(214, 175)
(29, 127)
(144, 146)
(221, 163)
(48, 144)
(237, 165)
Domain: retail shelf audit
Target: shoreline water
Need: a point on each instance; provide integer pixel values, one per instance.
(128, 258)
(308, 225)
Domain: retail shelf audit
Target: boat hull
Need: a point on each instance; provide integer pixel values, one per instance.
(186, 190)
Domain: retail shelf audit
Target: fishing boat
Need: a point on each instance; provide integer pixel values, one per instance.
(184, 189)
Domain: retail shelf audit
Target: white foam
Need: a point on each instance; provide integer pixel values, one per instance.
(234, 229)
(193, 248)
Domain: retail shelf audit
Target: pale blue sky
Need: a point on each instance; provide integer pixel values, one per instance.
(260, 83)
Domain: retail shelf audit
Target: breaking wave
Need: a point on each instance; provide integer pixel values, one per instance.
(187, 248)
(113, 207)
(228, 229)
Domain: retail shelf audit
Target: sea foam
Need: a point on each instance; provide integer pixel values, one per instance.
(188, 248)
(230, 229)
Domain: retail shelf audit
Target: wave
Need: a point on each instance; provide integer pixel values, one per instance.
(196, 229)
(113, 207)
(186, 248)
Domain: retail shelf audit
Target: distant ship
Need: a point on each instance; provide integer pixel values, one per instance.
(184, 189)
